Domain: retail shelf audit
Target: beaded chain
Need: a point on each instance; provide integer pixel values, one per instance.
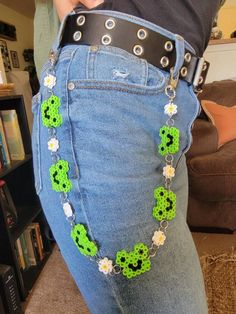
(137, 261)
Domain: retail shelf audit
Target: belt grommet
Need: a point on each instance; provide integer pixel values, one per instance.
(184, 71)
(200, 80)
(188, 57)
(164, 62)
(110, 24)
(204, 66)
(77, 36)
(142, 34)
(80, 20)
(138, 50)
(169, 46)
(106, 40)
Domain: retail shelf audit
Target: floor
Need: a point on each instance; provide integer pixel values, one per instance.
(214, 243)
(206, 243)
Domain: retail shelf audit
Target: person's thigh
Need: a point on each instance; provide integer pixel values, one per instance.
(112, 106)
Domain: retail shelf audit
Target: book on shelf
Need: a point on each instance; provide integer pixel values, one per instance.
(39, 243)
(20, 252)
(35, 244)
(13, 134)
(25, 251)
(8, 205)
(30, 247)
(4, 145)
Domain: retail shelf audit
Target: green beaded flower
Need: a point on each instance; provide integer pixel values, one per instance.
(166, 204)
(80, 238)
(59, 178)
(51, 117)
(169, 140)
(134, 263)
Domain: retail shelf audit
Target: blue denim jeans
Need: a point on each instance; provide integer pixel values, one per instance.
(112, 104)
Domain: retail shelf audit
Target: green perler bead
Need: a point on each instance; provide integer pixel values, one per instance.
(51, 117)
(134, 263)
(166, 204)
(169, 140)
(85, 246)
(59, 178)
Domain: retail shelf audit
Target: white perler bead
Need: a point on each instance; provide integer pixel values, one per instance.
(168, 172)
(50, 81)
(67, 209)
(105, 266)
(158, 238)
(170, 109)
(53, 144)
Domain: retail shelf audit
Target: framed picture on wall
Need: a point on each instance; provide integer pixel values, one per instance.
(14, 59)
(5, 55)
(7, 31)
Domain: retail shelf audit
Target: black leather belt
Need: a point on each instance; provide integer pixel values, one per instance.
(98, 29)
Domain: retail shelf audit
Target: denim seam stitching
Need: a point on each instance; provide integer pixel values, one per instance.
(146, 73)
(39, 184)
(68, 115)
(141, 91)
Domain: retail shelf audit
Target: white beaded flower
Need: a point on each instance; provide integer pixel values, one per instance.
(158, 238)
(53, 144)
(105, 266)
(170, 109)
(168, 172)
(50, 81)
(67, 209)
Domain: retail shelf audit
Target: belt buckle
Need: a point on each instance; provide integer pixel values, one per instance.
(200, 75)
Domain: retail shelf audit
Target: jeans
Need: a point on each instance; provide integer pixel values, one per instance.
(112, 104)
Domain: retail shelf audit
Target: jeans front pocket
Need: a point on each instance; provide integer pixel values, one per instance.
(36, 143)
(111, 68)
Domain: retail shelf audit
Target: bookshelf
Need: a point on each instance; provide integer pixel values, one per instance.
(20, 182)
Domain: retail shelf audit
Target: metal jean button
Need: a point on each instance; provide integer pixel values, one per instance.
(71, 86)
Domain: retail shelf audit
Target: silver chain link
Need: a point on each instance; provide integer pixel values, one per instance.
(170, 92)
(116, 270)
(169, 159)
(51, 132)
(164, 225)
(168, 182)
(170, 122)
(153, 250)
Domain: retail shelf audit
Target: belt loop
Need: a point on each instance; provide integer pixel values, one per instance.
(180, 50)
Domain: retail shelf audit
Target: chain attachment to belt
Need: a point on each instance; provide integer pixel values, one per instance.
(173, 82)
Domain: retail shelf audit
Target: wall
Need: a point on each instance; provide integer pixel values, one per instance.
(24, 33)
(227, 18)
(222, 59)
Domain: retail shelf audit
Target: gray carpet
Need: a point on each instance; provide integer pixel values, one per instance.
(55, 291)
